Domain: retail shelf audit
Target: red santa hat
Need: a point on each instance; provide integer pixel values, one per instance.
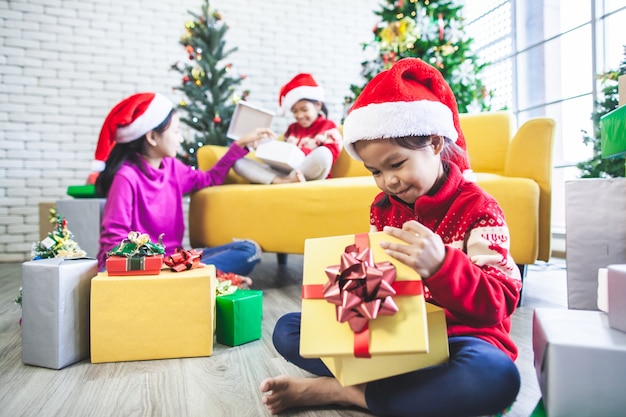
(302, 86)
(409, 99)
(130, 119)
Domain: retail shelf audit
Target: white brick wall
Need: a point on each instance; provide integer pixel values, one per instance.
(65, 63)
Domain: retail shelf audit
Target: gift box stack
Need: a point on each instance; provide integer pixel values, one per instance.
(140, 311)
(55, 299)
(364, 315)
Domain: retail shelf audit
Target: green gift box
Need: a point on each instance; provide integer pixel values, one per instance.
(239, 317)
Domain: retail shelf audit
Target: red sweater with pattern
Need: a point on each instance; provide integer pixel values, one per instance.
(323, 132)
(478, 284)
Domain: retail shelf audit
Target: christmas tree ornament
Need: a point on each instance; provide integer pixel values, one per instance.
(217, 119)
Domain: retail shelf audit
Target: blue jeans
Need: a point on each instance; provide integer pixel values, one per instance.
(239, 257)
(478, 380)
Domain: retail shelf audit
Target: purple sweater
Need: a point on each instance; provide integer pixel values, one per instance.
(152, 203)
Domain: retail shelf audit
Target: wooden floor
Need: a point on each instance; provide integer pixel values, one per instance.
(225, 384)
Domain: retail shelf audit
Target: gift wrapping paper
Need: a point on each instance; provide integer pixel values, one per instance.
(145, 317)
(239, 316)
(55, 311)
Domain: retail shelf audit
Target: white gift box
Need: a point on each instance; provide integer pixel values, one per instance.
(83, 216)
(596, 235)
(280, 155)
(616, 284)
(580, 363)
(55, 311)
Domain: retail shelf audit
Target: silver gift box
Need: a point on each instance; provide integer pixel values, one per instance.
(55, 311)
(596, 235)
(83, 216)
(580, 363)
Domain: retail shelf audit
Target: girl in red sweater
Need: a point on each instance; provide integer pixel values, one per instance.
(312, 132)
(404, 127)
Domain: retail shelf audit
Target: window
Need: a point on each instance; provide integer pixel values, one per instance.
(544, 62)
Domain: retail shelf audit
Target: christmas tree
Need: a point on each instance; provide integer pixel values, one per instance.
(433, 31)
(207, 81)
(597, 166)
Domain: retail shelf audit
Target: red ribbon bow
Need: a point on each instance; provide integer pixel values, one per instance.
(360, 288)
(183, 260)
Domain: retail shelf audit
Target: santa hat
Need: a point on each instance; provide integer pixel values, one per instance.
(301, 87)
(130, 119)
(409, 99)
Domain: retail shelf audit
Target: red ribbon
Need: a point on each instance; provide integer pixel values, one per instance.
(361, 290)
(183, 260)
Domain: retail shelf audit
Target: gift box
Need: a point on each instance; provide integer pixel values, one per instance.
(55, 311)
(280, 155)
(239, 317)
(596, 237)
(400, 325)
(140, 265)
(84, 217)
(580, 363)
(350, 370)
(152, 316)
(613, 133)
(616, 289)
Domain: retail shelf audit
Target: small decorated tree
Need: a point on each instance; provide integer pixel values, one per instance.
(597, 166)
(433, 31)
(208, 82)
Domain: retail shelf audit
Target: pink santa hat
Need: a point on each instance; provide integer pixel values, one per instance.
(409, 99)
(300, 87)
(130, 119)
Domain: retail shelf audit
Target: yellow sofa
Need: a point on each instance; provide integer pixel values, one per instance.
(514, 167)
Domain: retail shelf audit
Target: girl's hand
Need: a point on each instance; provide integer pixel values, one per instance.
(424, 251)
(253, 138)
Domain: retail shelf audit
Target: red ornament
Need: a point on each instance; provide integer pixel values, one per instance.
(243, 76)
(186, 79)
(217, 119)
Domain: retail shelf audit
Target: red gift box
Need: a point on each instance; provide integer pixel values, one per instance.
(143, 265)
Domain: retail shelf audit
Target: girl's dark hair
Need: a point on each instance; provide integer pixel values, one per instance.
(450, 150)
(324, 109)
(122, 152)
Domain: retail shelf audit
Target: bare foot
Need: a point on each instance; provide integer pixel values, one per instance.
(284, 392)
(294, 176)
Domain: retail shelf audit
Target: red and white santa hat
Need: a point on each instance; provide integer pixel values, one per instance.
(302, 86)
(409, 99)
(130, 119)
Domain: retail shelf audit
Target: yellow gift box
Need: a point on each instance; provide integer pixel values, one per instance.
(395, 341)
(351, 371)
(146, 317)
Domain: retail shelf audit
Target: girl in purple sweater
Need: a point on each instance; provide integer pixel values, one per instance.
(144, 183)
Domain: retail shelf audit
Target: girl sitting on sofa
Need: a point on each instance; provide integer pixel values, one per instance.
(316, 135)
